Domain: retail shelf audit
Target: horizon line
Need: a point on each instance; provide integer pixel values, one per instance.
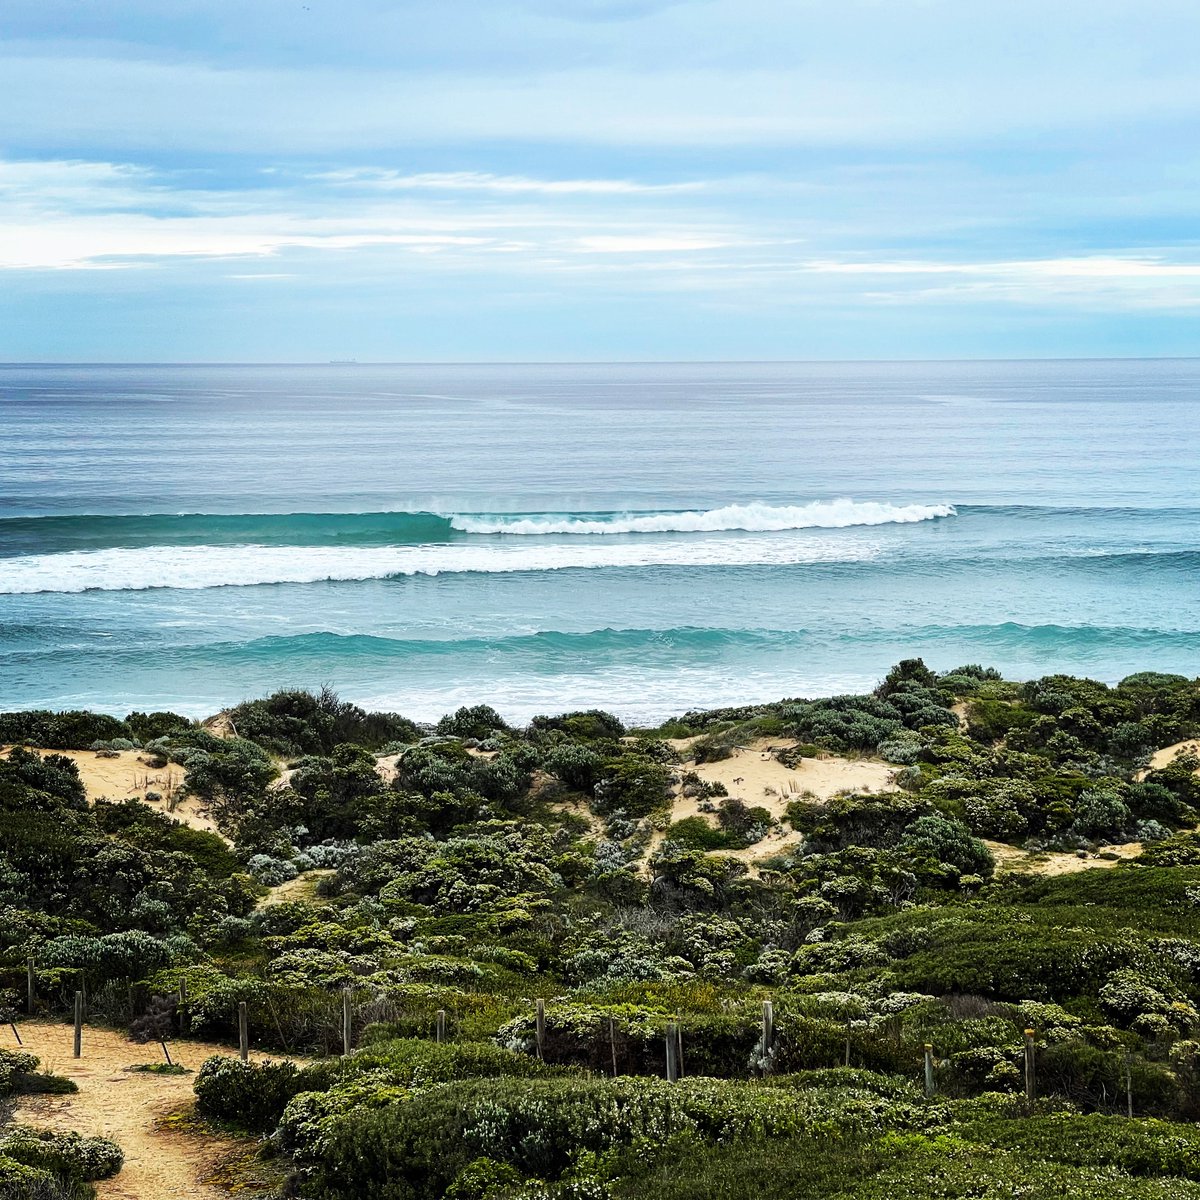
(582, 362)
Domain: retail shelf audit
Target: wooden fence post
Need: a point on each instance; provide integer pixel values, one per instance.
(30, 986)
(768, 1034)
(1129, 1085)
(185, 1020)
(441, 1025)
(78, 1024)
(243, 1031)
(928, 1069)
(672, 1064)
(540, 1027)
(612, 1042)
(1030, 1081)
(347, 1019)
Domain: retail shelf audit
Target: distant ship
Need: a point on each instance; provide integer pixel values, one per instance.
(343, 362)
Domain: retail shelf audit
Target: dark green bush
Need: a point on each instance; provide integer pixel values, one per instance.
(253, 1096)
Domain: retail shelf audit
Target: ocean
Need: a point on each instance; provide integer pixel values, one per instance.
(644, 538)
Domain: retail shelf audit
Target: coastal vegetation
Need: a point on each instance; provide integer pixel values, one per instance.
(578, 960)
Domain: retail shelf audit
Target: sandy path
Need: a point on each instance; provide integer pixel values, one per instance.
(160, 1164)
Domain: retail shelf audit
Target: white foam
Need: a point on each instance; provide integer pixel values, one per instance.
(191, 567)
(767, 518)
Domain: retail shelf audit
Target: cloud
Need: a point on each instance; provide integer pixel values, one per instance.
(650, 243)
(482, 181)
(878, 160)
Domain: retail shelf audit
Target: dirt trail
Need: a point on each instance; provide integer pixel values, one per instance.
(160, 1163)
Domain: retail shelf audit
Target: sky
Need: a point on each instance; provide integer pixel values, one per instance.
(497, 180)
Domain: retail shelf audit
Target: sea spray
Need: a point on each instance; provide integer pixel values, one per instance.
(765, 518)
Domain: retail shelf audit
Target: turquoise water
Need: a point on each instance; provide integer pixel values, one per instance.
(646, 538)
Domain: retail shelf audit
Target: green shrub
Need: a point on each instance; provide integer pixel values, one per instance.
(416, 1149)
(19, 1076)
(68, 1155)
(254, 1095)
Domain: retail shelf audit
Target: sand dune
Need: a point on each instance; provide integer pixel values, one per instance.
(127, 776)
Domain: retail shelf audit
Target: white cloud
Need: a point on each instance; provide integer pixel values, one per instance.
(479, 181)
(1086, 282)
(1084, 267)
(650, 243)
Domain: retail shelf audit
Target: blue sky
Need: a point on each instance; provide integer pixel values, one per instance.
(598, 179)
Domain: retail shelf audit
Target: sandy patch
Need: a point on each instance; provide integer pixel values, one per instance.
(1168, 754)
(1009, 858)
(128, 777)
(303, 887)
(755, 776)
(160, 1164)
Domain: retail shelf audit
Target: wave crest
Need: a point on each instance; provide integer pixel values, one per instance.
(747, 518)
(192, 567)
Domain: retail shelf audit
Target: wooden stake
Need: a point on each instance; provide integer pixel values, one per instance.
(672, 1065)
(847, 1063)
(16, 1033)
(928, 1069)
(768, 1034)
(243, 1032)
(612, 1041)
(679, 1045)
(1030, 1081)
(166, 1053)
(540, 1027)
(31, 986)
(1128, 1085)
(347, 1014)
(441, 1025)
(184, 1018)
(79, 1024)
